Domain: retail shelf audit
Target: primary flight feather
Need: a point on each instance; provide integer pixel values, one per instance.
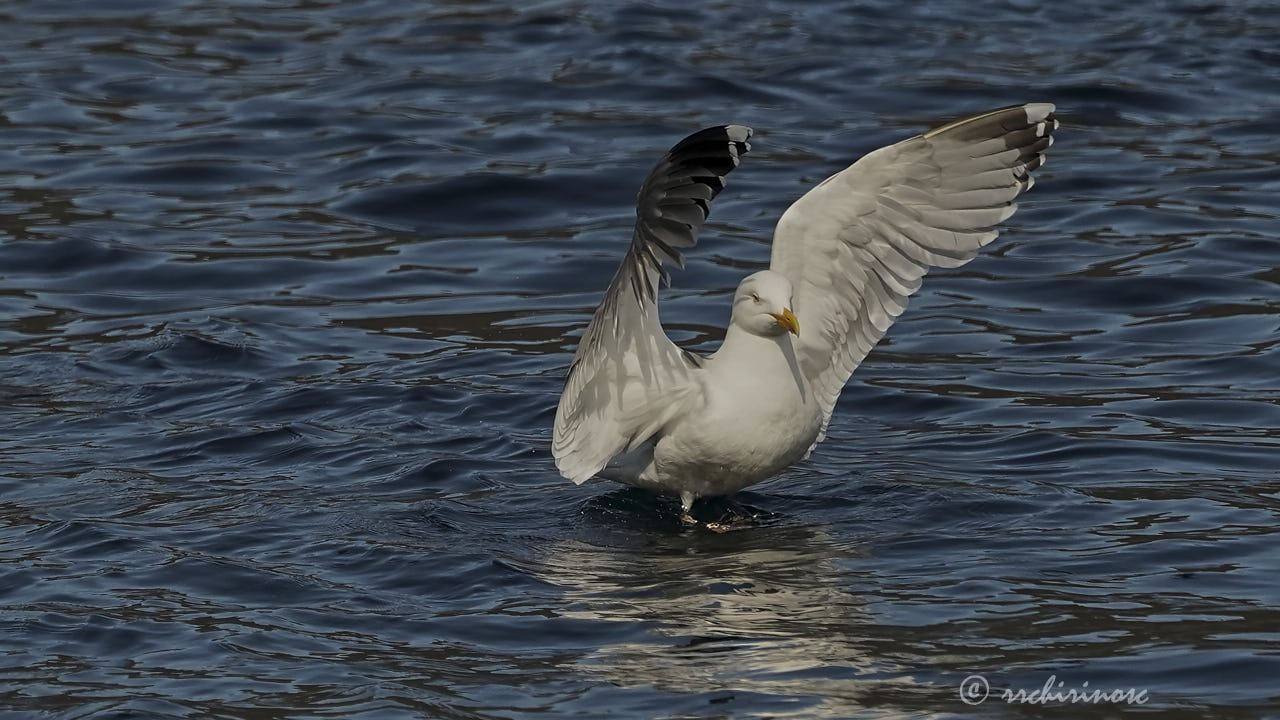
(846, 257)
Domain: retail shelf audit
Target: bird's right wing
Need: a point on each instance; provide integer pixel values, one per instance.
(856, 246)
(627, 378)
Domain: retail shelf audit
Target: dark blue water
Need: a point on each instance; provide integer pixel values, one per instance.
(288, 290)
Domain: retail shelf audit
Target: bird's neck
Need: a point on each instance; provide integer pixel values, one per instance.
(764, 356)
(741, 343)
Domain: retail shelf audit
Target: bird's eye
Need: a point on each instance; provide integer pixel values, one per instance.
(755, 297)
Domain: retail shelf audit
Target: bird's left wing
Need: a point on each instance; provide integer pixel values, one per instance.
(856, 246)
(627, 378)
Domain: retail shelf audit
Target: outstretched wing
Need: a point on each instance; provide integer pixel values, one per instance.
(627, 377)
(856, 246)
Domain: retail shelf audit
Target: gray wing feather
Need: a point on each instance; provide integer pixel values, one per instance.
(857, 246)
(627, 378)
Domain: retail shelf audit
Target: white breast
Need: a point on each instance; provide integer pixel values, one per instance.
(759, 416)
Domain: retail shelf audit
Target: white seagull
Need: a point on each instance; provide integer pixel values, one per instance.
(846, 257)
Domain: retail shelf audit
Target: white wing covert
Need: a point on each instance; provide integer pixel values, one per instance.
(856, 246)
(627, 378)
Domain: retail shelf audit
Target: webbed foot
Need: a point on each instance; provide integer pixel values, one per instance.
(721, 514)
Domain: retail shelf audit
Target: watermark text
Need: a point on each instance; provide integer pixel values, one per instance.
(974, 690)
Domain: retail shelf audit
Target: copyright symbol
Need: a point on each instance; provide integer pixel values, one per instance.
(974, 689)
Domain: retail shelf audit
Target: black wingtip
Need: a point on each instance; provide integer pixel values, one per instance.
(675, 200)
(708, 146)
(718, 134)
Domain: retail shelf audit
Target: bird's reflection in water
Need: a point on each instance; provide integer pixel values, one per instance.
(764, 608)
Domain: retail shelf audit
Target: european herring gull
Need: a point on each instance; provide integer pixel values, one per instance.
(846, 257)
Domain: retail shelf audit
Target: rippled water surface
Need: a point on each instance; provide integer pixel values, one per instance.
(288, 290)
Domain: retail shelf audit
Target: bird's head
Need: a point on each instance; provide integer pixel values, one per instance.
(762, 305)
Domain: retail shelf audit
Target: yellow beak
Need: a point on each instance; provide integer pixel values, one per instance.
(788, 321)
